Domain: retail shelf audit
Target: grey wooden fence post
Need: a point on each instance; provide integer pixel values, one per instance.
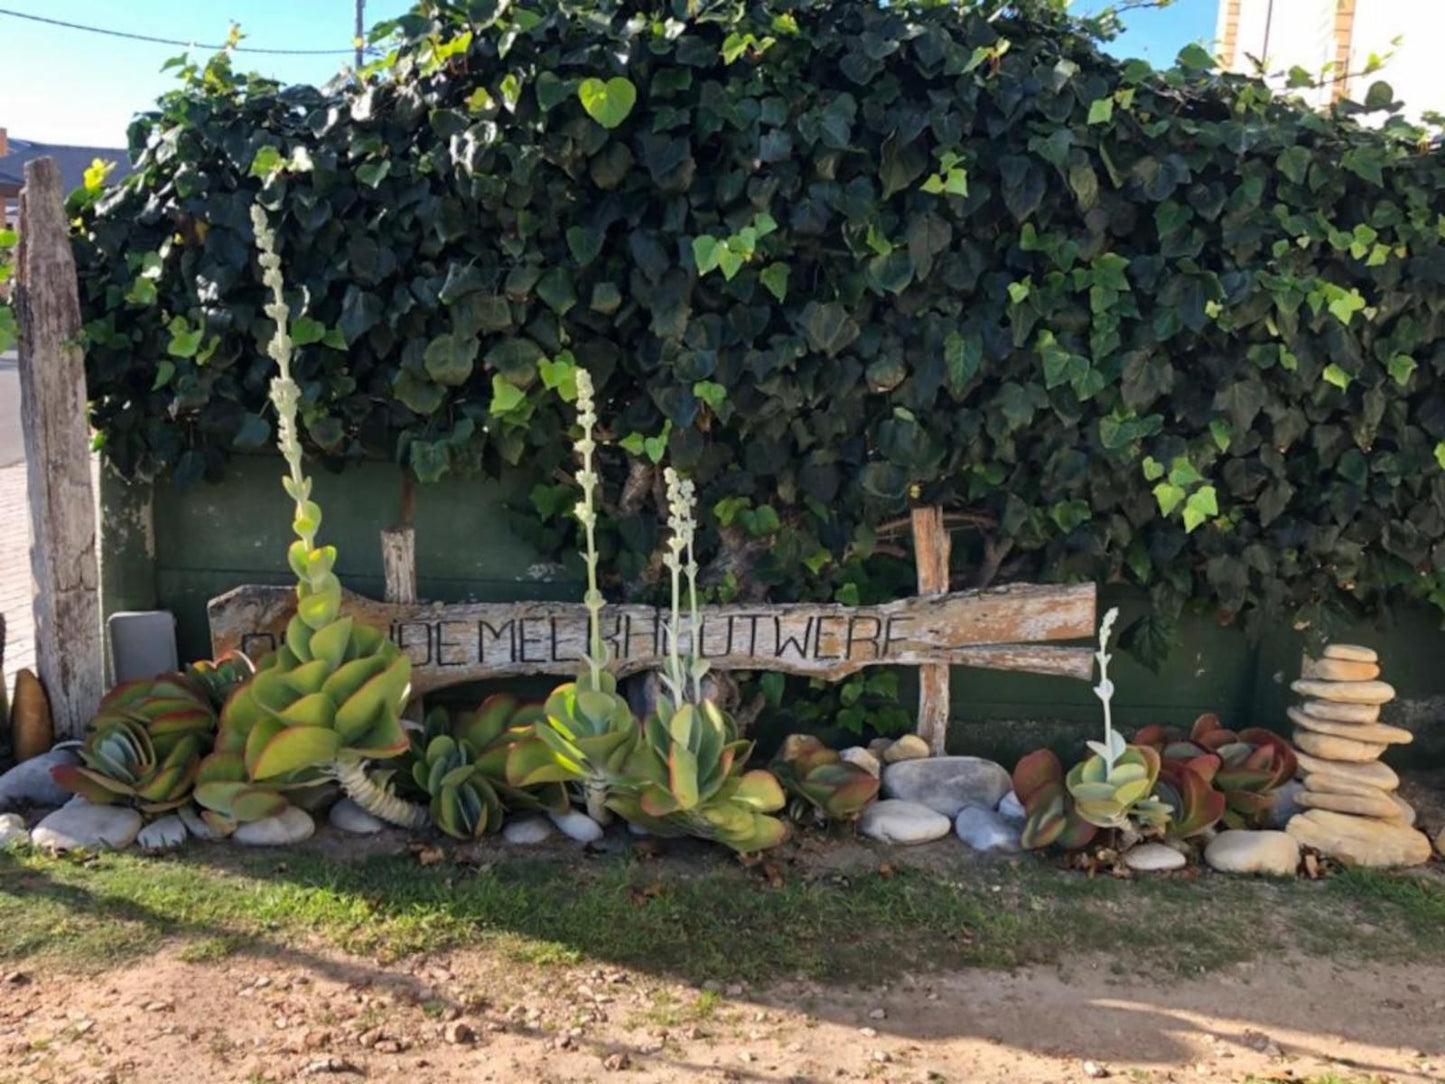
(54, 420)
(931, 548)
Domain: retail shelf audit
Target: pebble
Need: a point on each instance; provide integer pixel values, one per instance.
(948, 785)
(87, 827)
(30, 783)
(1360, 841)
(1350, 653)
(1346, 692)
(197, 825)
(878, 745)
(1011, 808)
(13, 830)
(908, 747)
(1374, 775)
(1342, 713)
(525, 830)
(895, 821)
(1379, 804)
(165, 834)
(1340, 670)
(1329, 747)
(291, 825)
(1153, 858)
(576, 825)
(1367, 732)
(347, 816)
(986, 830)
(856, 754)
(1239, 851)
(1285, 803)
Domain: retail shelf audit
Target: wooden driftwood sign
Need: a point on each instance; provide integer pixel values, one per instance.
(1019, 627)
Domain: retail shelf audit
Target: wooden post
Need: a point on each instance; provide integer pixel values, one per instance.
(398, 566)
(931, 549)
(54, 420)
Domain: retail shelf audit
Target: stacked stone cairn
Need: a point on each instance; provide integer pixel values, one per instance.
(1352, 812)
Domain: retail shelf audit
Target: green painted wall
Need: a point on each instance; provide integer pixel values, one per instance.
(207, 539)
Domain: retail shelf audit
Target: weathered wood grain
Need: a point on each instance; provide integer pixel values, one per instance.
(55, 427)
(1019, 627)
(932, 547)
(398, 564)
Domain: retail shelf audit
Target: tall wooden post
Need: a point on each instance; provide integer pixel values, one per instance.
(398, 566)
(931, 548)
(54, 421)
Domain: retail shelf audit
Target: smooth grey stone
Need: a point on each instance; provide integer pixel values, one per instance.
(895, 821)
(347, 816)
(528, 829)
(30, 783)
(291, 825)
(1285, 804)
(197, 825)
(87, 827)
(1010, 808)
(165, 834)
(574, 824)
(986, 830)
(13, 829)
(856, 754)
(947, 785)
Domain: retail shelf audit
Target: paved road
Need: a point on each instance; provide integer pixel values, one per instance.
(16, 593)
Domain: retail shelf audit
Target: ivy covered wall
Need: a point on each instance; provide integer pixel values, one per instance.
(1165, 330)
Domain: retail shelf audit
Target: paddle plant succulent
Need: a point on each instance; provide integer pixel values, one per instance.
(1050, 816)
(330, 698)
(1114, 786)
(686, 775)
(144, 746)
(1246, 767)
(587, 726)
(823, 786)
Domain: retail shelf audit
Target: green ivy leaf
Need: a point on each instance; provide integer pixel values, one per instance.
(506, 396)
(1169, 496)
(1195, 58)
(711, 393)
(372, 174)
(705, 252)
(1222, 432)
(305, 330)
(608, 103)
(1101, 111)
(165, 370)
(1440, 454)
(449, 358)
(1153, 469)
(559, 374)
(1401, 368)
(266, 161)
(775, 278)
(1200, 506)
(1333, 374)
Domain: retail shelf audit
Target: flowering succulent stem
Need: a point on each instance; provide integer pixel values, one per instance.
(378, 800)
(1105, 689)
(586, 514)
(679, 521)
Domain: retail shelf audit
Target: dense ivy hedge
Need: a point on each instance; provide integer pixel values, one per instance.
(834, 258)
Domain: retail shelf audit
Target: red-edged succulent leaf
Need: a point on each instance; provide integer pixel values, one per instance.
(1285, 763)
(79, 781)
(1035, 771)
(1155, 735)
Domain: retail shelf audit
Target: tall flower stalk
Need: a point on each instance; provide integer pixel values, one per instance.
(1113, 744)
(586, 513)
(681, 561)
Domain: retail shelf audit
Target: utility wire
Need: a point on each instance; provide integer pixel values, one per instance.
(169, 41)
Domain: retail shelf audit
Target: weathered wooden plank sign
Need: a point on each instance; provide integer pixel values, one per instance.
(1019, 627)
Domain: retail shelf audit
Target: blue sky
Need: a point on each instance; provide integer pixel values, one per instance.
(66, 86)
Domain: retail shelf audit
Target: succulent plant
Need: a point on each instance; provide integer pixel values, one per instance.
(1187, 788)
(144, 746)
(331, 696)
(1050, 816)
(1249, 765)
(822, 784)
(1114, 786)
(688, 777)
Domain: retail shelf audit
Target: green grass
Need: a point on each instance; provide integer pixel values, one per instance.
(693, 921)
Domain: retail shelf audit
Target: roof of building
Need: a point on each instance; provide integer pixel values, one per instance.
(73, 161)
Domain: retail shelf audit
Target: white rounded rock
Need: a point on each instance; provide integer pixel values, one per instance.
(347, 816)
(1010, 806)
(526, 830)
(1275, 854)
(13, 829)
(197, 825)
(1153, 858)
(908, 747)
(291, 825)
(948, 785)
(87, 827)
(165, 834)
(894, 821)
(856, 754)
(986, 830)
(576, 825)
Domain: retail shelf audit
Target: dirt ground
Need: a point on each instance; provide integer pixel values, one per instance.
(463, 1017)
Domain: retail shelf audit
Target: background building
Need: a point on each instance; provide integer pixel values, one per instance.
(1311, 34)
